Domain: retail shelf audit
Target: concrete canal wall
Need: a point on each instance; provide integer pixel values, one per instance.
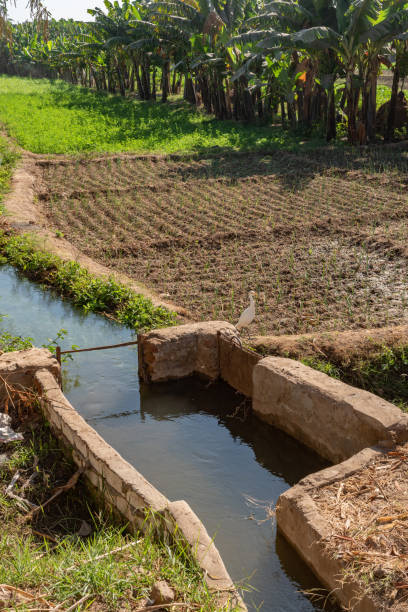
(334, 419)
(118, 484)
(344, 424)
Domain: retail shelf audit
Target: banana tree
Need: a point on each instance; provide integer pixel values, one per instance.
(400, 71)
(358, 24)
(39, 14)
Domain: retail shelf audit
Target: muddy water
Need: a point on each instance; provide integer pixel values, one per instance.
(182, 437)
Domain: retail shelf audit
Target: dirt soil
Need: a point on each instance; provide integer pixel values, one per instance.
(344, 347)
(321, 237)
(367, 514)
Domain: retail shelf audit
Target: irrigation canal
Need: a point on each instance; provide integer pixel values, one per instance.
(181, 436)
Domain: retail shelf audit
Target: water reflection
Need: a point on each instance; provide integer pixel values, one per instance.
(273, 449)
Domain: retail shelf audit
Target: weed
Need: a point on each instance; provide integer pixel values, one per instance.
(9, 343)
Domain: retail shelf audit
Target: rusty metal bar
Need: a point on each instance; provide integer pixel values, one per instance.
(95, 348)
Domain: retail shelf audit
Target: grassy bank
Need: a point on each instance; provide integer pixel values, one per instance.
(385, 375)
(90, 293)
(70, 549)
(69, 279)
(54, 117)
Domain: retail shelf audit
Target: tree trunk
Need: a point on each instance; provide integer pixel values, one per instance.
(132, 80)
(165, 81)
(331, 115)
(292, 115)
(283, 114)
(139, 84)
(205, 93)
(154, 96)
(308, 93)
(371, 110)
(248, 103)
(389, 134)
(173, 84)
(121, 82)
(351, 108)
(301, 106)
(189, 92)
(146, 81)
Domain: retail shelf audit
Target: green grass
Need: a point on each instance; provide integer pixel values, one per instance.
(384, 94)
(386, 374)
(64, 566)
(55, 117)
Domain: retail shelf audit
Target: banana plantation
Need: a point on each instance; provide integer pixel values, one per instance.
(305, 64)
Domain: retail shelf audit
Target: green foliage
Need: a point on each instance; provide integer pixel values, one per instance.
(386, 374)
(9, 343)
(54, 117)
(322, 366)
(89, 293)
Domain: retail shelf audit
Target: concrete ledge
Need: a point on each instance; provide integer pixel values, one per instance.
(333, 418)
(183, 523)
(301, 523)
(178, 352)
(126, 484)
(18, 368)
(118, 484)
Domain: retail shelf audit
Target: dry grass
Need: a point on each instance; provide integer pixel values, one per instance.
(322, 238)
(368, 519)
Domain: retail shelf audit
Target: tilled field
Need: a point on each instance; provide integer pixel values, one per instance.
(322, 238)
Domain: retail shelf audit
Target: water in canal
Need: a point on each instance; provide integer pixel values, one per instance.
(181, 436)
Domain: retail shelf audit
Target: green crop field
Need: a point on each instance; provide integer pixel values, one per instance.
(55, 117)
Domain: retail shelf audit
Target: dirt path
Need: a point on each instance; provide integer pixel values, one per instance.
(25, 214)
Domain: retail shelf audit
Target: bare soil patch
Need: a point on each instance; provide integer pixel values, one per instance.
(321, 237)
(368, 518)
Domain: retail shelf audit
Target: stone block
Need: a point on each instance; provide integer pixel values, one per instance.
(237, 365)
(161, 593)
(300, 521)
(177, 352)
(334, 419)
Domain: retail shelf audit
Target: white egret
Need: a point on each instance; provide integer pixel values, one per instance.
(248, 315)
